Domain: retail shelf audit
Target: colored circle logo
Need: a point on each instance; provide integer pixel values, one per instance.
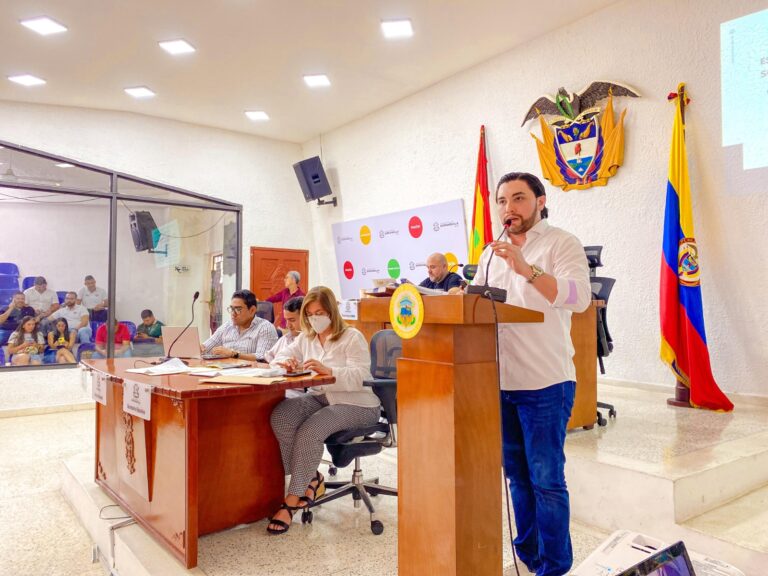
(365, 235)
(349, 270)
(453, 262)
(415, 227)
(393, 269)
(406, 311)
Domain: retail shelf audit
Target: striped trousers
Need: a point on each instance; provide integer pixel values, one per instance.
(301, 426)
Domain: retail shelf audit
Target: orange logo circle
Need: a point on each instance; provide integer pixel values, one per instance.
(453, 262)
(365, 235)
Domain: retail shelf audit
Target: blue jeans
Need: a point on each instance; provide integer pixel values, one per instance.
(534, 424)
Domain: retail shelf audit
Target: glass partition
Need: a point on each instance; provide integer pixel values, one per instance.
(112, 255)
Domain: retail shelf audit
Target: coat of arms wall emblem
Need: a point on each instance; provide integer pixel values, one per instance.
(581, 149)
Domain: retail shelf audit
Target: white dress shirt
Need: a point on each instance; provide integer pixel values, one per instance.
(282, 343)
(41, 302)
(91, 299)
(349, 359)
(259, 337)
(537, 355)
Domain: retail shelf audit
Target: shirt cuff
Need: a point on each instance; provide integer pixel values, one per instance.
(567, 293)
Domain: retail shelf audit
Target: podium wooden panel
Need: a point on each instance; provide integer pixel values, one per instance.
(206, 460)
(449, 449)
(584, 338)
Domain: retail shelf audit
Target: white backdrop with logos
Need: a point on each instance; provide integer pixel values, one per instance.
(396, 245)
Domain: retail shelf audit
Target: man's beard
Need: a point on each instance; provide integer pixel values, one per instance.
(524, 225)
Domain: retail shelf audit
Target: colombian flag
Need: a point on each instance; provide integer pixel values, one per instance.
(481, 214)
(683, 340)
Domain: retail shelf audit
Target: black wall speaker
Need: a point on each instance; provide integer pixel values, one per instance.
(312, 179)
(142, 227)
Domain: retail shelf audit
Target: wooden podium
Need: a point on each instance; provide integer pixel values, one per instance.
(449, 448)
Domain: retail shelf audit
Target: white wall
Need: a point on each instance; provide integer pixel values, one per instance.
(423, 149)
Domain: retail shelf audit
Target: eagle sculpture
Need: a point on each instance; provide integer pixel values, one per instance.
(569, 107)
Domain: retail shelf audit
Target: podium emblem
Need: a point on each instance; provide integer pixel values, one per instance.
(406, 311)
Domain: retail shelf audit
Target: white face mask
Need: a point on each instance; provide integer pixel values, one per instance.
(319, 323)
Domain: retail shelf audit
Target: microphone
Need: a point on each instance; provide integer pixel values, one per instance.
(170, 348)
(490, 292)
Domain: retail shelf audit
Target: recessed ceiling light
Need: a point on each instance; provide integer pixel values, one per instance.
(27, 80)
(139, 92)
(65, 165)
(397, 28)
(44, 25)
(317, 80)
(257, 115)
(176, 47)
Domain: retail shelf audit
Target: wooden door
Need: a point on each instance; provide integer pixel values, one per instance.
(269, 267)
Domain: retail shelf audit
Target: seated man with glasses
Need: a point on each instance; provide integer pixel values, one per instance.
(245, 335)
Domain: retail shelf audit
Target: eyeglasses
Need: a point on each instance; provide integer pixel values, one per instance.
(235, 309)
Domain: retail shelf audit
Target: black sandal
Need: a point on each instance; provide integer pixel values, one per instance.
(284, 526)
(317, 491)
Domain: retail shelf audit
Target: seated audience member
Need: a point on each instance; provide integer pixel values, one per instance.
(93, 298)
(122, 341)
(62, 339)
(76, 316)
(291, 290)
(244, 335)
(44, 301)
(26, 344)
(149, 335)
(439, 277)
(11, 315)
(291, 311)
(327, 346)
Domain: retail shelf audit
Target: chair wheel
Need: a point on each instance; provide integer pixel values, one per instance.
(601, 421)
(332, 470)
(356, 496)
(377, 527)
(612, 413)
(306, 517)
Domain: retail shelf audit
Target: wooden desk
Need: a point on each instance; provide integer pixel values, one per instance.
(207, 460)
(584, 337)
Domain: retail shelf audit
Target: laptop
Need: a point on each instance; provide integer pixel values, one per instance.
(188, 346)
(671, 561)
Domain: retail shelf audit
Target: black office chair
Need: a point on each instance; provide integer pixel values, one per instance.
(601, 290)
(351, 445)
(594, 255)
(266, 311)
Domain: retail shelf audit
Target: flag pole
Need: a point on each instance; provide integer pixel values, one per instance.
(682, 398)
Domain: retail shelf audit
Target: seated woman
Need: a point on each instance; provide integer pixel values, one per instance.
(26, 344)
(327, 346)
(62, 339)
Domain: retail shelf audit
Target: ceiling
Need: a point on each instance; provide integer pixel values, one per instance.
(252, 54)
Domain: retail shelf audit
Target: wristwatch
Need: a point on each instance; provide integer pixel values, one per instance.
(536, 271)
(236, 355)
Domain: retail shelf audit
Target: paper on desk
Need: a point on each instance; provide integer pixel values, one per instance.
(172, 366)
(258, 372)
(238, 380)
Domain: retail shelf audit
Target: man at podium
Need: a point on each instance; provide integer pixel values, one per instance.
(542, 268)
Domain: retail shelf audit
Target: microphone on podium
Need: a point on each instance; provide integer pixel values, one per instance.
(491, 292)
(170, 348)
(469, 270)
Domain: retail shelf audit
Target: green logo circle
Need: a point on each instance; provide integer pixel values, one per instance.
(393, 267)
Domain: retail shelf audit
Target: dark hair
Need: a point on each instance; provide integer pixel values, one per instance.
(146, 313)
(533, 183)
(294, 304)
(40, 280)
(89, 277)
(20, 330)
(56, 327)
(246, 296)
(19, 292)
(71, 292)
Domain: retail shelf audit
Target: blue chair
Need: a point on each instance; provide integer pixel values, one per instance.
(61, 294)
(9, 268)
(94, 327)
(83, 347)
(9, 281)
(131, 328)
(2, 356)
(6, 295)
(49, 356)
(28, 282)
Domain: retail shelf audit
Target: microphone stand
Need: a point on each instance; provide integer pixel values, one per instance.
(170, 348)
(490, 292)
